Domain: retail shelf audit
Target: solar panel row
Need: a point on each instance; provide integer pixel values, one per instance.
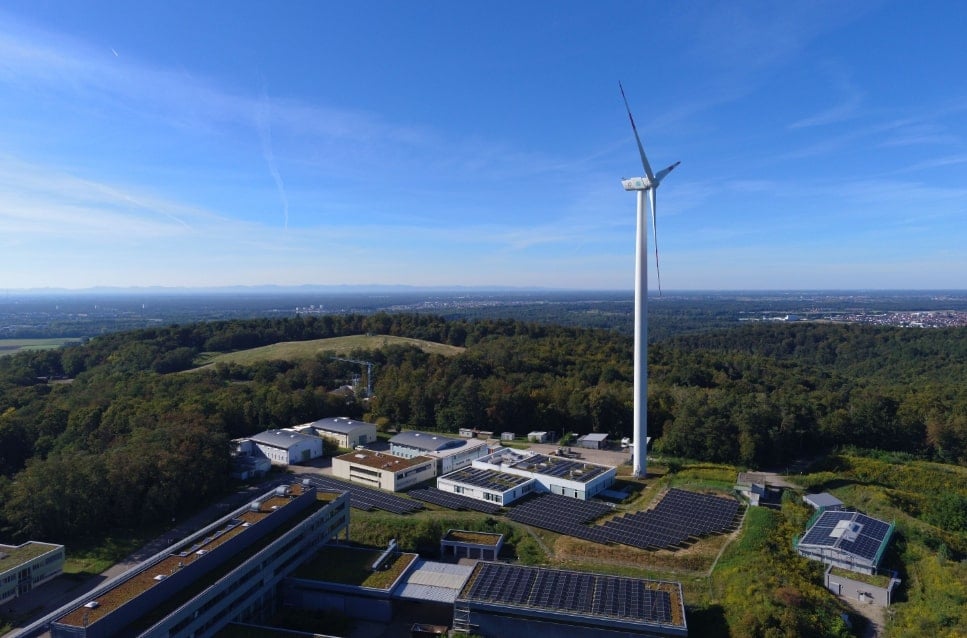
(560, 467)
(453, 501)
(487, 479)
(679, 516)
(562, 515)
(367, 499)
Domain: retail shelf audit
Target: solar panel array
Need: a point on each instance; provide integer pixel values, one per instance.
(487, 479)
(560, 467)
(561, 514)
(570, 592)
(679, 516)
(367, 499)
(453, 501)
(866, 545)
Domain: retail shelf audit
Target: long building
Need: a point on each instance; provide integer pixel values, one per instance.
(226, 572)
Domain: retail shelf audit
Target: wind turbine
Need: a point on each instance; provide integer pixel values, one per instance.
(647, 184)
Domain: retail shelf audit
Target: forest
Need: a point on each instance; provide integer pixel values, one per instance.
(121, 432)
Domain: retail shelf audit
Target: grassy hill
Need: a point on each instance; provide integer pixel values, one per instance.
(338, 346)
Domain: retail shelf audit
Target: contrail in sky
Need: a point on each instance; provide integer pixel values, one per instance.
(265, 134)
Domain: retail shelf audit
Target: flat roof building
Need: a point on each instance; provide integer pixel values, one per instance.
(513, 600)
(383, 471)
(823, 501)
(26, 566)
(226, 572)
(507, 474)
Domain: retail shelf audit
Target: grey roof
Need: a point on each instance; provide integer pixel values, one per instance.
(824, 499)
(426, 441)
(284, 439)
(340, 424)
(440, 582)
(594, 437)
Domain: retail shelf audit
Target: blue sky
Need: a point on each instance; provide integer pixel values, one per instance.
(481, 144)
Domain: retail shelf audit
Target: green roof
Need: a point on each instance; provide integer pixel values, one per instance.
(13, 556)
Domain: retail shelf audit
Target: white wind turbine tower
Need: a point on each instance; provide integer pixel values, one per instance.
(648, 184)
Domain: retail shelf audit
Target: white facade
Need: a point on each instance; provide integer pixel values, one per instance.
(576, 479)
(497, 492)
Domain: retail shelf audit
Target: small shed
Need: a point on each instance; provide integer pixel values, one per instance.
(460, 543)
(506, 436)
(823, 501)
(594, 441)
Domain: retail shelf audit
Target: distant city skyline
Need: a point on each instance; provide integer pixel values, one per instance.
(478, 145)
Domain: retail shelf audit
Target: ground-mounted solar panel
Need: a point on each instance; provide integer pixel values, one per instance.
(368, 499)
(679, 516)
(453, 501)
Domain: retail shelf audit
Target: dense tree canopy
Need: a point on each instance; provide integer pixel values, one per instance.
(112, 433)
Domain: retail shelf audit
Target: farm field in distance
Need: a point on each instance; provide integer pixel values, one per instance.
(10, 346)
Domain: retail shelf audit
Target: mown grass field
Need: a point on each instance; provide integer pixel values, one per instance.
(337, 346)
(10, 346)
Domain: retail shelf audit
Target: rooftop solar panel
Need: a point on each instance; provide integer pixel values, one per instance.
(854, 535)
(575, 593)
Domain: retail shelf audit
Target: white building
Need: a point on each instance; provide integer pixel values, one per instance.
(508, 474)
(450, 454)
(540, 437)
(346, 433)
(283, 447)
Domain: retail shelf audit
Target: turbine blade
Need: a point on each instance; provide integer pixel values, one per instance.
(654, 226)
(665, 171)
(641, 149)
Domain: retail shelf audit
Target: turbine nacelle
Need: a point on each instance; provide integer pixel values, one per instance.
(636, 184)
(645, 183)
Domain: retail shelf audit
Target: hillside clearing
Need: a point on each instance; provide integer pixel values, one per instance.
(337, 346)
